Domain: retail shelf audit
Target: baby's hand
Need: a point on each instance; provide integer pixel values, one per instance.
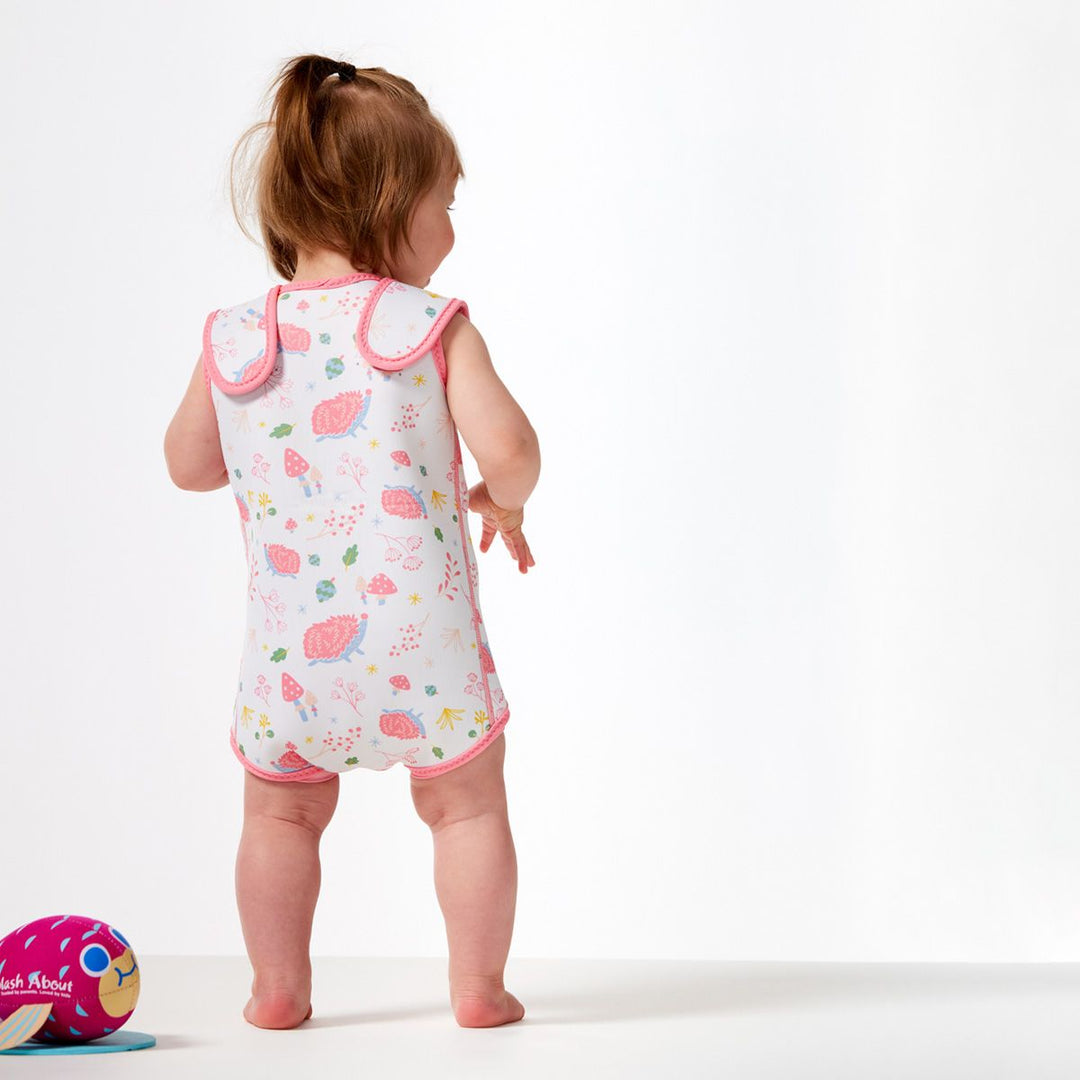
(507, 523)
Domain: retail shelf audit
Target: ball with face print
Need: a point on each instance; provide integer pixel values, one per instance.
(84, 967)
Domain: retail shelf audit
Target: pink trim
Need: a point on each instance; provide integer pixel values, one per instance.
(470, 566)
(425, 771)
(205, 371)
(395, 363)
(311, 775)
(440, 360)
(258, 374)
(327, 283)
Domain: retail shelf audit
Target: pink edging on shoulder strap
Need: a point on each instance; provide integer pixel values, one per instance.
(260, 372)
(386, 363)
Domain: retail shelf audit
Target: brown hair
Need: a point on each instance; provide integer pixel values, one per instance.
(345, 162)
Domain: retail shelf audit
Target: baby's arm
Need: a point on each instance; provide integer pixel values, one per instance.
(192, 446)
(493, 425)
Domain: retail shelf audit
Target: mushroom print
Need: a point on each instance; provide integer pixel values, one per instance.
(352, 380)
(292, 691)
(381, 586)
(297, 468)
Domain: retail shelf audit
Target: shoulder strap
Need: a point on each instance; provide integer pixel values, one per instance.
(240, 343)
(401, 322)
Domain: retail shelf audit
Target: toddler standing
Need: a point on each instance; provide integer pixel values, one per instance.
(331, 405)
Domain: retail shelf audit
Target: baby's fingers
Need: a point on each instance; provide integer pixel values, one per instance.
(487, 534)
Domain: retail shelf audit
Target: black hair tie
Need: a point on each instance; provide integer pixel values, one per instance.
(345, 72)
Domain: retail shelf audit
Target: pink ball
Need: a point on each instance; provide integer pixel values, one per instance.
(86, 968)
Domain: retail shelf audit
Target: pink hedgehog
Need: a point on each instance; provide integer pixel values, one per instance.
(290, 760)
(336, 638)
(293, 338)
(282, 560)
(403, 501)
(341, 415)
(402, 724)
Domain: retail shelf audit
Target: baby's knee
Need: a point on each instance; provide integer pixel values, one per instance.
(308, 805)
(473, 788)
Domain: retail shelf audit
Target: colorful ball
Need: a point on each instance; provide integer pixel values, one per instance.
(85, 967)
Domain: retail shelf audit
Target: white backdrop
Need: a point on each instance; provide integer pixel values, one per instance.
(789, 293)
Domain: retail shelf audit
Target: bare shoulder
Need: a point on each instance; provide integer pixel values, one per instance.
(463, 345)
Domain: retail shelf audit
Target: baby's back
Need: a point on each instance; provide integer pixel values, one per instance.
(365, 643)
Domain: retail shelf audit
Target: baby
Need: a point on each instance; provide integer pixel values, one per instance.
(332, 405)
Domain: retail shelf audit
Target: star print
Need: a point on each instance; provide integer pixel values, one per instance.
(376, 521)
(310, 385)
(373, 443)
(374, 741)
(301, 609)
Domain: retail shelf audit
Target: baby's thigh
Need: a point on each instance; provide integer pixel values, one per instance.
(476, 787)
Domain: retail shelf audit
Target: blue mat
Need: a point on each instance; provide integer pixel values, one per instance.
(107, 1044)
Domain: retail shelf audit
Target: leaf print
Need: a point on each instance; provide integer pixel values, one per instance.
(350, 556)
(448, 716)
(448, 587)
(452, 637)
(281, 431)
(438, 499)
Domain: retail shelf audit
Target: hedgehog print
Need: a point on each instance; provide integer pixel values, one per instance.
(341, 415)
(333, 639)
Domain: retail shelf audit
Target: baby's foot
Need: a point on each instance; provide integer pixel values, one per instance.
(276, 1009)
(487, 1010)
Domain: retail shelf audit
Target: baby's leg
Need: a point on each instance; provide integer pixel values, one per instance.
(277, 884)
(476, 882)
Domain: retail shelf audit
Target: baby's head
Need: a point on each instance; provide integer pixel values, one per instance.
(354, 163)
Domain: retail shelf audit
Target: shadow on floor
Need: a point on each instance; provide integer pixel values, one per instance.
(658, 989)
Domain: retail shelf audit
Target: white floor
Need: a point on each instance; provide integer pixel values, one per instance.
(380, 1018)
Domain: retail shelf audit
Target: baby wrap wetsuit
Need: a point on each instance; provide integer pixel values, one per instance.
(365, 644)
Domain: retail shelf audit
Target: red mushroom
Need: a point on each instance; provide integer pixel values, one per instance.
(381, 586)
(401, 458)
(399, 682)
(296, 468)
(291, 690)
